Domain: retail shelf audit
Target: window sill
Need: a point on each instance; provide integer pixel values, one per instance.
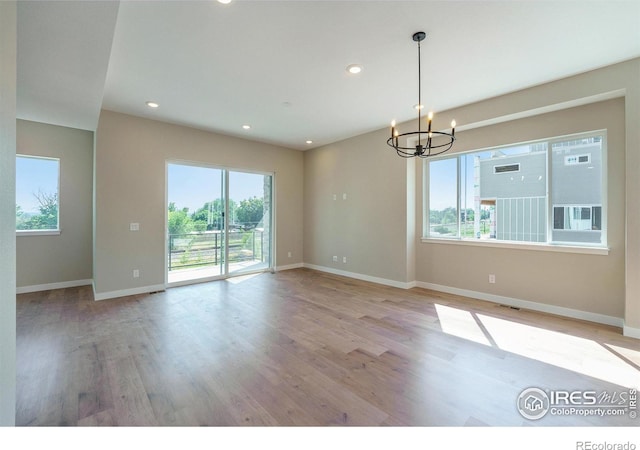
(562, 248)
(37, 232)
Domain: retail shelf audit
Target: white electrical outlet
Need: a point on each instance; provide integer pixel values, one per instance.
(289, 255)
(335, 259)
(344, 259)
(492, 278)
(344, 196)
(134, 226)
(136, 273)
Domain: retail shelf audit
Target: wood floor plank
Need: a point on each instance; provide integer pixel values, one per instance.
(302, 348)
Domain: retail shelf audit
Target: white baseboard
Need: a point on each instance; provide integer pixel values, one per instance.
(289, 267)
(358, 276)
(51, 286)
(526, 304)
(631, 332)
(126, 292)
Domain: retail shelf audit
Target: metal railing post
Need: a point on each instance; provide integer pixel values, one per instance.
(262, 246)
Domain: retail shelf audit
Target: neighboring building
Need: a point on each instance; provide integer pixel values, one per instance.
(513, 188)
(577, 207)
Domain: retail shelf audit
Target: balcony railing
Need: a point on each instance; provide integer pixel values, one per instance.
(207, 248)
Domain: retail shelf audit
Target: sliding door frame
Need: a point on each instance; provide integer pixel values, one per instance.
(225, 195)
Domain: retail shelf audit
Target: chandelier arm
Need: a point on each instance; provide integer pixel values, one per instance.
(420, 150)
(439, 152)
(414, 133)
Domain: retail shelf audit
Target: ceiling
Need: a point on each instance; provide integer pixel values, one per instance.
(280, 66)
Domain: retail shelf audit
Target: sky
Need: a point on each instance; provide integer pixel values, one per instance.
(193, 186)
(32, 176)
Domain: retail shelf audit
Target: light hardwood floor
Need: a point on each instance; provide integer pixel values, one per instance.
(301, 347)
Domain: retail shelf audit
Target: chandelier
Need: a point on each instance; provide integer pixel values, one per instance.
(429, 143)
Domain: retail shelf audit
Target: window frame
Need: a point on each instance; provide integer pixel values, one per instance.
(51, 231)
(549, 245)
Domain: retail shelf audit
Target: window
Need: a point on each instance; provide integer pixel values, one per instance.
(37, 181)
(545, 192)
(507, 168)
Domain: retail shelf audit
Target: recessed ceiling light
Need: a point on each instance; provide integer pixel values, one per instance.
(224, 2)
(246, 127)
(354, 68)
(309, 142)
(152, 104)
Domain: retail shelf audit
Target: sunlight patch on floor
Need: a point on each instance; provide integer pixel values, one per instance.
(631, 355)
(562, 350)
(460, 323)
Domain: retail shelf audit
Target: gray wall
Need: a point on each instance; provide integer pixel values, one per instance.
(565, 187)
(510, 184)
(130, 160)
(7, 213)
(65, 257)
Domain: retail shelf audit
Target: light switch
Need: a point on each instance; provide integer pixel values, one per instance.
(134, 226)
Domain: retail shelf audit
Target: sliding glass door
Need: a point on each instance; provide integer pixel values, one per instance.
(249, 231)
(218, 222)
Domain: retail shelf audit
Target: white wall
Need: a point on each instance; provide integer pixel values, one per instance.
(38, 257)
(7, 213)
(130, 158)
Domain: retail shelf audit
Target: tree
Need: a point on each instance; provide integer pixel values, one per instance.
(179, 220)
(48, 217)
(20, 219)
(209, 215)
(250, 211)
